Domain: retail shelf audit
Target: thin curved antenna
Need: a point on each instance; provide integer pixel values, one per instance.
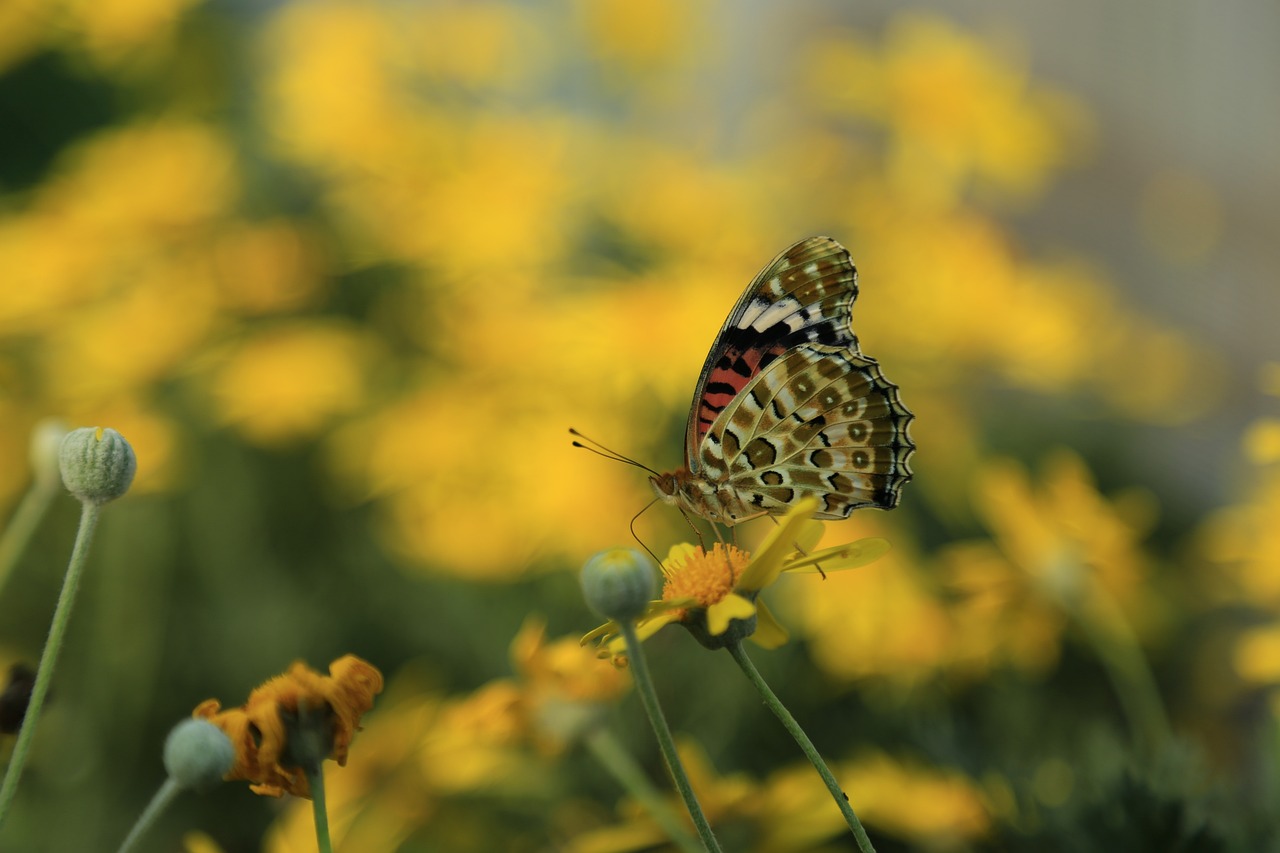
(600, 450)
(636, 536)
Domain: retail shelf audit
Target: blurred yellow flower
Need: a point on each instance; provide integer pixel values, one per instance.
(640, 37)
(925, 805)
(565, 689)
(736, 806)
(113, 31)
(261, 728)
(1262, 441)
(883, 621)
(23, 26)
(290, 380)
(265, 267)
(791, 810)
(154, 176)
(957, 110)
(1058, 550)
(132, 339)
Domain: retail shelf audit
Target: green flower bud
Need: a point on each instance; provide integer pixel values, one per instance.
(198, 755)
(619, 583)
(97, 464)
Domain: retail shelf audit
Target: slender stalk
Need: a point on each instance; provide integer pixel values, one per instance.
(806, 745)
(649, 698)
(26, 518)
(154, 809)
(316, 779)
(1117, 647)
(609, 752)
(49, 658)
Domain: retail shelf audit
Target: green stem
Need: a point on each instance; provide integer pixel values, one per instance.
(649, 698)
(316, 779)
(1117, 647)
(158, 804)
(609, 752)
(806, 745)
(26, 518)
(49, 658)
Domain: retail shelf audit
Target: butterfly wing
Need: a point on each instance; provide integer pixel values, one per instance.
(804, 296)
(819, 420)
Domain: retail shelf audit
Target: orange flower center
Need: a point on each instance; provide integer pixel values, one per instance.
(706, 578)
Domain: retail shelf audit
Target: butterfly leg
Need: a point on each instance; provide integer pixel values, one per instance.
(696, 532)
(800, 550)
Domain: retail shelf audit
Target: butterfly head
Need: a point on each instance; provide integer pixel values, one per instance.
(666, 487)
(694, 494)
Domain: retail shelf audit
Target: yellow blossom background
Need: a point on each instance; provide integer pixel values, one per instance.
(345, 273)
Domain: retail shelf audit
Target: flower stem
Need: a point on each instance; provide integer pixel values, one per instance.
(26, 518)
(806, 745)
(49, 658)
(649, 698)
(315, 777)
(609, 752)
(158, 804)
(1116, 645)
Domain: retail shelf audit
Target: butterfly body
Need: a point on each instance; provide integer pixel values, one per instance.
(787, 406)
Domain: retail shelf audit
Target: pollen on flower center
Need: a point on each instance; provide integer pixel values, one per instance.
(706, 578)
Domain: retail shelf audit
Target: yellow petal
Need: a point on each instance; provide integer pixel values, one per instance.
(677, 556)
(598, 632)
(810, 533)
(730, 607)
(769, 632)
(644, 631)
(767, 564)
(841, 557)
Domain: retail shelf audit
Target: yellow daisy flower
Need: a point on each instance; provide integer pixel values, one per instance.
(715, 594)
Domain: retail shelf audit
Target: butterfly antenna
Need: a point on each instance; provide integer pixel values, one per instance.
(636, 536)
(600, 450)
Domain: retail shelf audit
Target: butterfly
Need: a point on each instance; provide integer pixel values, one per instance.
(787, 406)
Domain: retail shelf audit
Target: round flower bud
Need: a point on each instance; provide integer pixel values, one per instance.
(619, 583)
(97, 464)
(198, 755)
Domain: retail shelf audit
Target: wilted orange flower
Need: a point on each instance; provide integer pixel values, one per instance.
(260, 729)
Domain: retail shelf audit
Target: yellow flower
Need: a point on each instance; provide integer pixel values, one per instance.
(790, 810)
(289, 381)
(261, 728)
(715, 594)
(564, 690)
(1057, 551)
(928, 805)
